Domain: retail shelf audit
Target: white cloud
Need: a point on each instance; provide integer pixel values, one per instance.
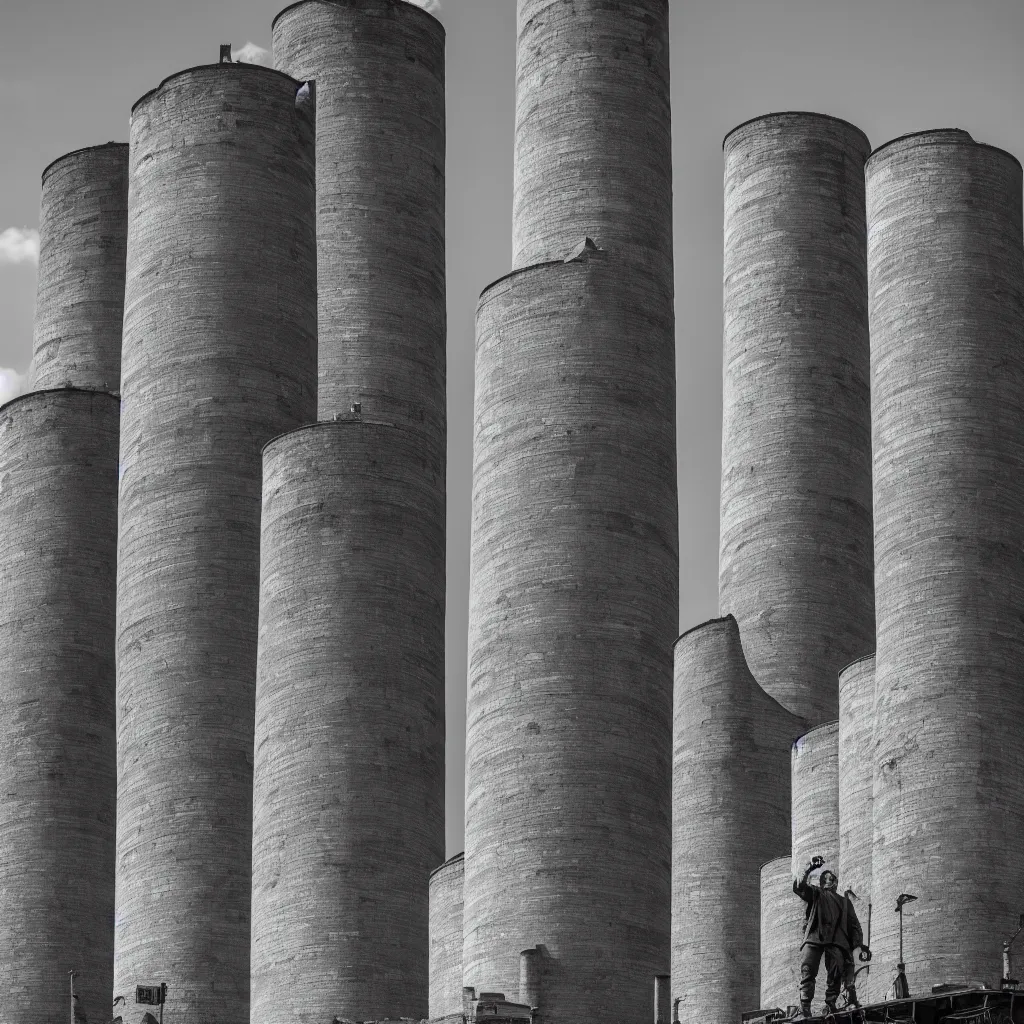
(427, 5)
(13, 384)
(252, 54)
(19, 245)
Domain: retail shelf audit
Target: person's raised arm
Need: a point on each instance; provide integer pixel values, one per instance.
(800, 886)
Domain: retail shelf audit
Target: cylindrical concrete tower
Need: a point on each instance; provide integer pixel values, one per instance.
(796, 545)
(856, 756)
(348, 789)
(816, 799)
(219, 356)
(531, 977)
(730, 812)
(593, 151)
(83, 227)
(946, 266)
(379, 71)
(782, 930)
(58, 547)
(446, 884)
(573, 598)
(662, 999)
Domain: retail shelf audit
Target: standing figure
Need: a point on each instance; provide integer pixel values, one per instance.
(832, 929)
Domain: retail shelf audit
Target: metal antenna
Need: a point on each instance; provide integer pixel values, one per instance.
(901, 989)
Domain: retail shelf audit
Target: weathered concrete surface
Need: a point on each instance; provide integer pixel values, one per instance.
(446, 885)
(796, 544)
(593, 147)
(730, 813)
(573, 598)
(219, 356)
(58, 504)
(782, 929)
(379, 71)
(815, 783)
(947, 323)
(856, 758)
(348, 790)
(83, 228)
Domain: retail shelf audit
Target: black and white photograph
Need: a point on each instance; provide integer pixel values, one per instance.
(512, 512)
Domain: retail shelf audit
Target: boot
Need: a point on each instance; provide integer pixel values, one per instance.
(830, 1006)
(851, 996)
(805, 1008)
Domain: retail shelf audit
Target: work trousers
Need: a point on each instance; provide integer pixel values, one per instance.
(839, 971)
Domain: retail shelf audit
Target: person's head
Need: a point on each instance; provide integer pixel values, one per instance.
(829, 880)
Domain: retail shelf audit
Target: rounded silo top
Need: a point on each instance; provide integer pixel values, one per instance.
(103, 149)
(819, 740)
(398, 8)
(450, 865)
(44, 394)
(788, 118)
(932, 137)
(201, 71)
(851, 674)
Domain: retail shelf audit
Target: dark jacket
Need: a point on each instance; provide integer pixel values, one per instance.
(830, 919)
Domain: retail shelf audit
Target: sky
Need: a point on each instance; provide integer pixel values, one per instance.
(71, 69)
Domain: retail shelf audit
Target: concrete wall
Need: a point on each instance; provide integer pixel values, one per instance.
(219, 356)
(815, 763)
(593, 152)
(446, 886)
(58, 504)
(573, 598)
(379, 71)
(730, 812)
(796, 543)
(782, 930)
(83, 227)
(349, 774)
(947, 320)
(856, 760)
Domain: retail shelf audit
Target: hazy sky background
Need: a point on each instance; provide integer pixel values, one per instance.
(70, 71)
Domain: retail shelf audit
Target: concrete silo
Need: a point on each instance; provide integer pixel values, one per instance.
(348, 790)
(573, 606)
(83, 226)
(796, 545)
(379, 71)
(782, 932)
(219, 356)
(946, 274)
(730, 813)
(815, 764)
(58, 504)
(446, 884)
(574, 566)
(593, 153)
(856, 757)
